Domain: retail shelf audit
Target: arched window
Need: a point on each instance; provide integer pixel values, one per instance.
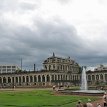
(53, 67)
(93, 77)
(77, 77)
(97, 77)
(70, 77)
(49, 67)
(52, 77)
(61, 77)
(58, 77)
(101, 77)
(106, 77)
(45, 67)
(73, 77)
(66, 77)
(89, 77)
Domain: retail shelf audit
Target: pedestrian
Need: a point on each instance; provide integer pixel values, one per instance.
(54, 87)
(84, 105)
(98, 105)
(79, 104)
(89, 104)
(105, 99)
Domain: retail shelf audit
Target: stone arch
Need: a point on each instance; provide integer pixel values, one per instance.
(16, 79)
(0, 80)
(20, 79)
(35, 78)
(48, 78)
(13, 79)
(9, 80)
(43, 78)
(39, 78)
(31, 79)
(4, 79)
(27, 79)
(23, 79)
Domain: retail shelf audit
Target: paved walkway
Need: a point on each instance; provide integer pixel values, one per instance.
(100, 101)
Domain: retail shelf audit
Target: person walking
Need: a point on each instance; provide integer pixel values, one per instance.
(79, 104)
(89, 104)
(85, 105)
(105, 99)
(98, 105)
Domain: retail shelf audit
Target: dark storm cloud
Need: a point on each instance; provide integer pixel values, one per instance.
(39, 35)
(35, 46)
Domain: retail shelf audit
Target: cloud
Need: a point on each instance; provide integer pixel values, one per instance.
(33, 30)
(22, 42)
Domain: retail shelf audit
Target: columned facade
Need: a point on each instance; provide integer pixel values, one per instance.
(98, 76)
(36, 79)
(57, 71)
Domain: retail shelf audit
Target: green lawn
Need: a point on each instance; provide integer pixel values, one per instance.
(38, 98)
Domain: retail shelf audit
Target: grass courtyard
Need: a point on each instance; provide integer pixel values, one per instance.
(39, 98)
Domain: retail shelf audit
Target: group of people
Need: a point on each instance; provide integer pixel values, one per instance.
(89, 104)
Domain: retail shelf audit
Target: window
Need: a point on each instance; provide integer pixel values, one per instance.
(3, 69)
(3, 66)
(8, 66)
(13, 66)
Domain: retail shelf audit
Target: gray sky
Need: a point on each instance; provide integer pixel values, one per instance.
(34, 29)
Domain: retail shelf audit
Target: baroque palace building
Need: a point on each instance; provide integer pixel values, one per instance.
(57, 71)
